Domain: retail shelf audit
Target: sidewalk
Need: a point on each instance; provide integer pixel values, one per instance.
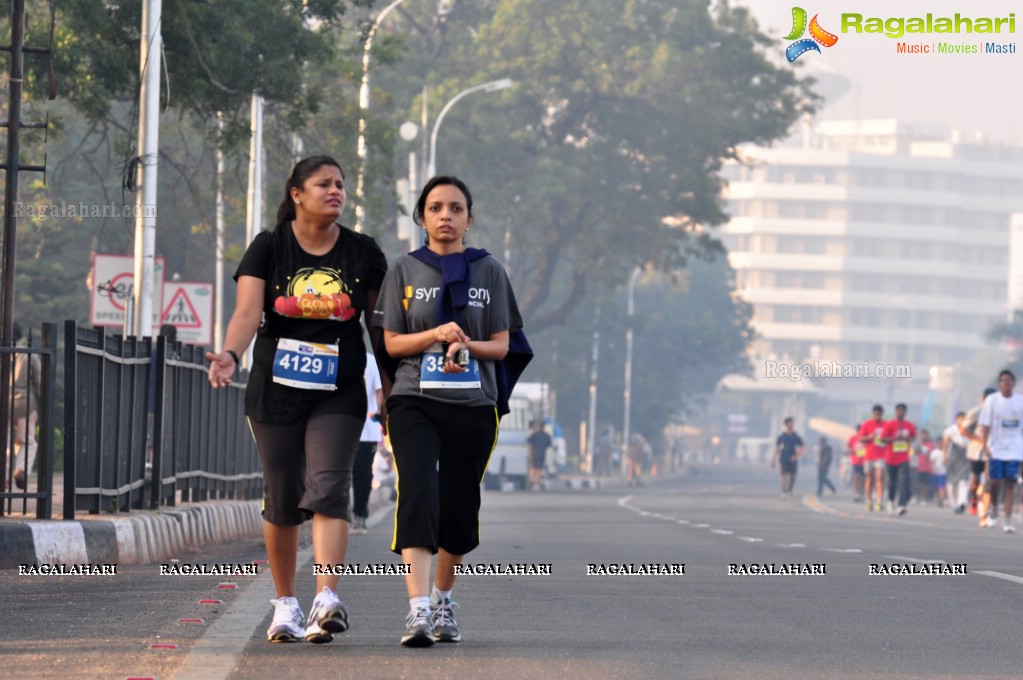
(138, 537)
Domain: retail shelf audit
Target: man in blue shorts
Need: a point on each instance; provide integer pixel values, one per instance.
(1000, 429)
(787, 451)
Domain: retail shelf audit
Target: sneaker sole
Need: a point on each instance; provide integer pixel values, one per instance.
(417, 640)
(336, 622)
(282, 637)
(447, 638)
(320, 639)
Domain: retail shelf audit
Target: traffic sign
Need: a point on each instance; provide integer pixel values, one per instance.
(113, 285)
(190, 311)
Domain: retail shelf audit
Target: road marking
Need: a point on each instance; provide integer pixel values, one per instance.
(843, 550)
(998, 574)
(818, 507)
(722, 532)
(750, 539)
(916, 559)
(699, 526)
(682, 521)
(791, 545)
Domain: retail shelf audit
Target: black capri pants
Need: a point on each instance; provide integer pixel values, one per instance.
(307, 465)
(440, 453)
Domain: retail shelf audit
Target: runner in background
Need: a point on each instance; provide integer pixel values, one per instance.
(974, 450)
(857, 450)
(787, 451)
(953, 447)
(1001, 430)
(898, 435)
(873, 460)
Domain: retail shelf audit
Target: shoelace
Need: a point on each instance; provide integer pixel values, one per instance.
(444, 615)
(417, 616)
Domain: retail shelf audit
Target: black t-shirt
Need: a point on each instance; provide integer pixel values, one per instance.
(789, 443)
(315, 298)
(539, 442)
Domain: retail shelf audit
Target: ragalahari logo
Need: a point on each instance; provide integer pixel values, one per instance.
(818, 35)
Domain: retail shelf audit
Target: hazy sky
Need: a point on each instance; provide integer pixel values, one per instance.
(971, 92)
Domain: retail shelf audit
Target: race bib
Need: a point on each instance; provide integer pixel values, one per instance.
(860, 451)
(306, 365)
(433, 377)
(900, 447)
(1010, 423)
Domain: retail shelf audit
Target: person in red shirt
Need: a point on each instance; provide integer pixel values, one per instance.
(873, 458)
(857, 450)
(898, 436)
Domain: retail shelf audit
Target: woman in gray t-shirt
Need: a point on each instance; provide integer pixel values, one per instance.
(447, 313)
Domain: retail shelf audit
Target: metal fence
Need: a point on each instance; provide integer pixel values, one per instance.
(141, 427)
(25, 425)
(144, 429)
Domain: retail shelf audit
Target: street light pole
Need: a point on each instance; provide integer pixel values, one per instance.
(363, 108)
(492, 86)
(628, 364)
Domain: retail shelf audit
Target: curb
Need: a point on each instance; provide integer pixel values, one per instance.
(140, 539)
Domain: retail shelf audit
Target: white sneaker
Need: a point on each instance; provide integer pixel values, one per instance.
(358, 526)
(328, 615)
(288, 619)
(1009, 529)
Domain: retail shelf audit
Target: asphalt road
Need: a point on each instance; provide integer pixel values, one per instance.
(844, 623)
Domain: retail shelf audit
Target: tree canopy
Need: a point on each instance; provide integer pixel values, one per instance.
(606, 153)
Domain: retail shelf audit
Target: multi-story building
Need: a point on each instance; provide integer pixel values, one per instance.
(874, 243)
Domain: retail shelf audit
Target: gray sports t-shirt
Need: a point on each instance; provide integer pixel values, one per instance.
(408, 303)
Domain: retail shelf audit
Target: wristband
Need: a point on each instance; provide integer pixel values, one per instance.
(234, 356)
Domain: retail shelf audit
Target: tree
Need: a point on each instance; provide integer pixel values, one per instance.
(690, 330)
(213, 63)
(1010, 334)
(607, 152)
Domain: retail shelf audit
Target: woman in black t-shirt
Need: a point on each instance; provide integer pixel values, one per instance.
(301, 291)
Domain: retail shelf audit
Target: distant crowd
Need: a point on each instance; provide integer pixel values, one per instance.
(973, 466)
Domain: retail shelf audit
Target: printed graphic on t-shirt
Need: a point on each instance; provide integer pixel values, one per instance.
(316, 293)
(478, 296)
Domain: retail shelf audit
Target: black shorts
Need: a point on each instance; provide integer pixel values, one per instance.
(977, 467)
(538, 459)
(440, 454)
(307, 465)
(789, 466)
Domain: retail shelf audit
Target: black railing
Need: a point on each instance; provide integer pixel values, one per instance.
(17, 422)
(143, 430)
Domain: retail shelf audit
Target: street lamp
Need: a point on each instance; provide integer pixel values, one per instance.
(628, 364)
(492, 86)
(444, 7)
(363, 108)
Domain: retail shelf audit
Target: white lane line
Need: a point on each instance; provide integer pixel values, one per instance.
(722, 532)
(682, 521)
(843, 550)
(791, 545)
(750, 539)
(921, 560)
(699, 526)
(998, 574)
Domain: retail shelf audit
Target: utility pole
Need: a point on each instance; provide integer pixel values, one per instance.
(13, 166)
(150, 52)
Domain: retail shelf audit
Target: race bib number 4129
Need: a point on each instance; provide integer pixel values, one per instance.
(306, 365)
